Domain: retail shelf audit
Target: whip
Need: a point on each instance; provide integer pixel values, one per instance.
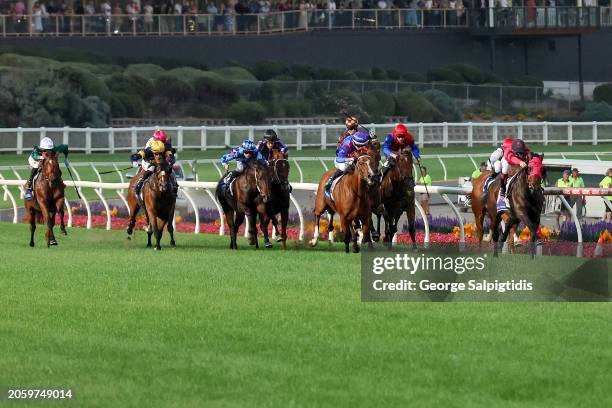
(114, 171)
(70, 172)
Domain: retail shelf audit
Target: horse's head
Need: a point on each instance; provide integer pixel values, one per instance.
(367, 169)
(163, 170)
(279, 168)
(260, 173)
(50, 166)
(536, 171)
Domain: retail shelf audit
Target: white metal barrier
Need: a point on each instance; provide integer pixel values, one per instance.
(100, 187)
(111, 140)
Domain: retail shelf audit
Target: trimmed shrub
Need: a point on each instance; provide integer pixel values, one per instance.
(603, 93)
(599, 111)
(416, 107)
(245, 112)
(379, 103)
(173, 89)
(379, 74)
(470, 73)
(215, 91)
(198, 110)
(303, 72)
(22, 61)
(490, 78)
(265, 70)
(414, 77)
(87, 84)
(298, 108)
(394, 75)
(117, 106)
(130, 84)
(235, 74)
(146, 70)
(444, 75)
(267, 91)
(446, 105)
(362, 74)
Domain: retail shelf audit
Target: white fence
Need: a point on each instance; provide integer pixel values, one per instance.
(208, 187)
(111, 140)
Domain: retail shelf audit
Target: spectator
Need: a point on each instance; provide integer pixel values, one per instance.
(148, 17)
(37, 18)
(178, 20)
(578, 182)
(106, 9)
(607, 183)
(166, 22)
(303, 19)
(220, 19)
(425, 180)
(563, 182)
(117, 12)
(19, 8)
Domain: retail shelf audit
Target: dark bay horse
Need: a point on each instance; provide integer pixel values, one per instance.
(397, 192)
(159, 202)
(48, 198)
(526, 198)
(279, 202)
(249, 195)
(351, 200)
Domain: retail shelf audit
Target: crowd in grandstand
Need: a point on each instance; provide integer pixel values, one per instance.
(226, 12)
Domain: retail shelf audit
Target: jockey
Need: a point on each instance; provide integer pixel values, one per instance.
(269, 142)
(395, 141)
(352, 126)
(514, 154)
(157, 144)
(494, 164)
(345, 159)
(45, 145)
(243, 154)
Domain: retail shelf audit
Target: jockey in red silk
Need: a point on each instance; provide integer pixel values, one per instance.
(514, 153)
(395, 142)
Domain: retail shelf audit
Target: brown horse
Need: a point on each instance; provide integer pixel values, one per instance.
(48, 198)
(351, 200)
(249, 195)
(526, 198)
(278, 174)
(159, 202)
(397, 192)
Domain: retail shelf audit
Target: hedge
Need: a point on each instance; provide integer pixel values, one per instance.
(603, 93)
(245, 112)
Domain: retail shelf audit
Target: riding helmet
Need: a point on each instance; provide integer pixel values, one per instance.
(157, 146)
(160, 135)
(400, 129)
(270, 135)
(361, 138)
(249, 146)
(46, 144)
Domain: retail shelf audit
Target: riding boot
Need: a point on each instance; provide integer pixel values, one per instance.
(487, 182)
(229, 177)
(327, 190)
(28, 195)
(140, 184)
(175, 185)
(502, 186)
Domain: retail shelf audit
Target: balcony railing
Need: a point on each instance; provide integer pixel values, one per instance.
(541, 18)
(215, 24)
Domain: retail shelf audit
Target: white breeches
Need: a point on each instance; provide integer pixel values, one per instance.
(495, 161)
(146, 166)
(34, 164)
(239, 166)
(342, 166)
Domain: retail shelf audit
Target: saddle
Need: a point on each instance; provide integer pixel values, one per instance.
(333, 186)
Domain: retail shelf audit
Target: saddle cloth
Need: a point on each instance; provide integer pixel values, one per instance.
(333, 186)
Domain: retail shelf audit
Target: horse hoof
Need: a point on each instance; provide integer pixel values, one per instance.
(313, 242)
(173, 244)
(268, 245)
(356, 250)
(31, 244)
(129, 238)
(52, 242)
(278, 238)
(157, 248)
(64, 232)
(414, 246)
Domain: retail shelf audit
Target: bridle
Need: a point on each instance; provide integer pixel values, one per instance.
(370, 174)
(275, 168)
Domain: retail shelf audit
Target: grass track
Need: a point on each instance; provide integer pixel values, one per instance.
(200, 326)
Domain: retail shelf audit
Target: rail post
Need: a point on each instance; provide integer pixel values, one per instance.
(19, 140)
(203, 138)
(594, 133)
(323, 137)
(570, 134)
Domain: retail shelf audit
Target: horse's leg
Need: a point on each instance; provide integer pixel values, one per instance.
(134, 208)
(366, 225)
(495, 231)
(264, 222)
(284, 220)
(59, 204)
(32, 219)
(237, 223)
(229, 218)
(330, 226)
(346, 228)
(158, 229)
(378, 218)
(479, 220)
(47, 216)
(533, 229)
(171, 228)
(315, 237)
(253, 227)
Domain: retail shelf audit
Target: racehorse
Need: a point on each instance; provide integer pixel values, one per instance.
(158, 200)
(351, 200)
(278, 174)
(248, 194)
(397, 192)
(48, 198)
(526, 198)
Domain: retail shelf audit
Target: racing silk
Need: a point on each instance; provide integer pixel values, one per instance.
(346, 150)
(392, 144)
(509, 155)
(344, 135)
(37, 151)
(262, 147)
(237, 154)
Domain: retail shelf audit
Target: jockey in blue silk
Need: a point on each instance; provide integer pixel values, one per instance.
(395, 142)
(271, 142)
(345, 159)
(243, 155)
(35, 159)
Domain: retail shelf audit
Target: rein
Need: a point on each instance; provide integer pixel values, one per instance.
(276, 176)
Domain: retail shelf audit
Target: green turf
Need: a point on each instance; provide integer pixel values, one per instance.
(199, 325)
